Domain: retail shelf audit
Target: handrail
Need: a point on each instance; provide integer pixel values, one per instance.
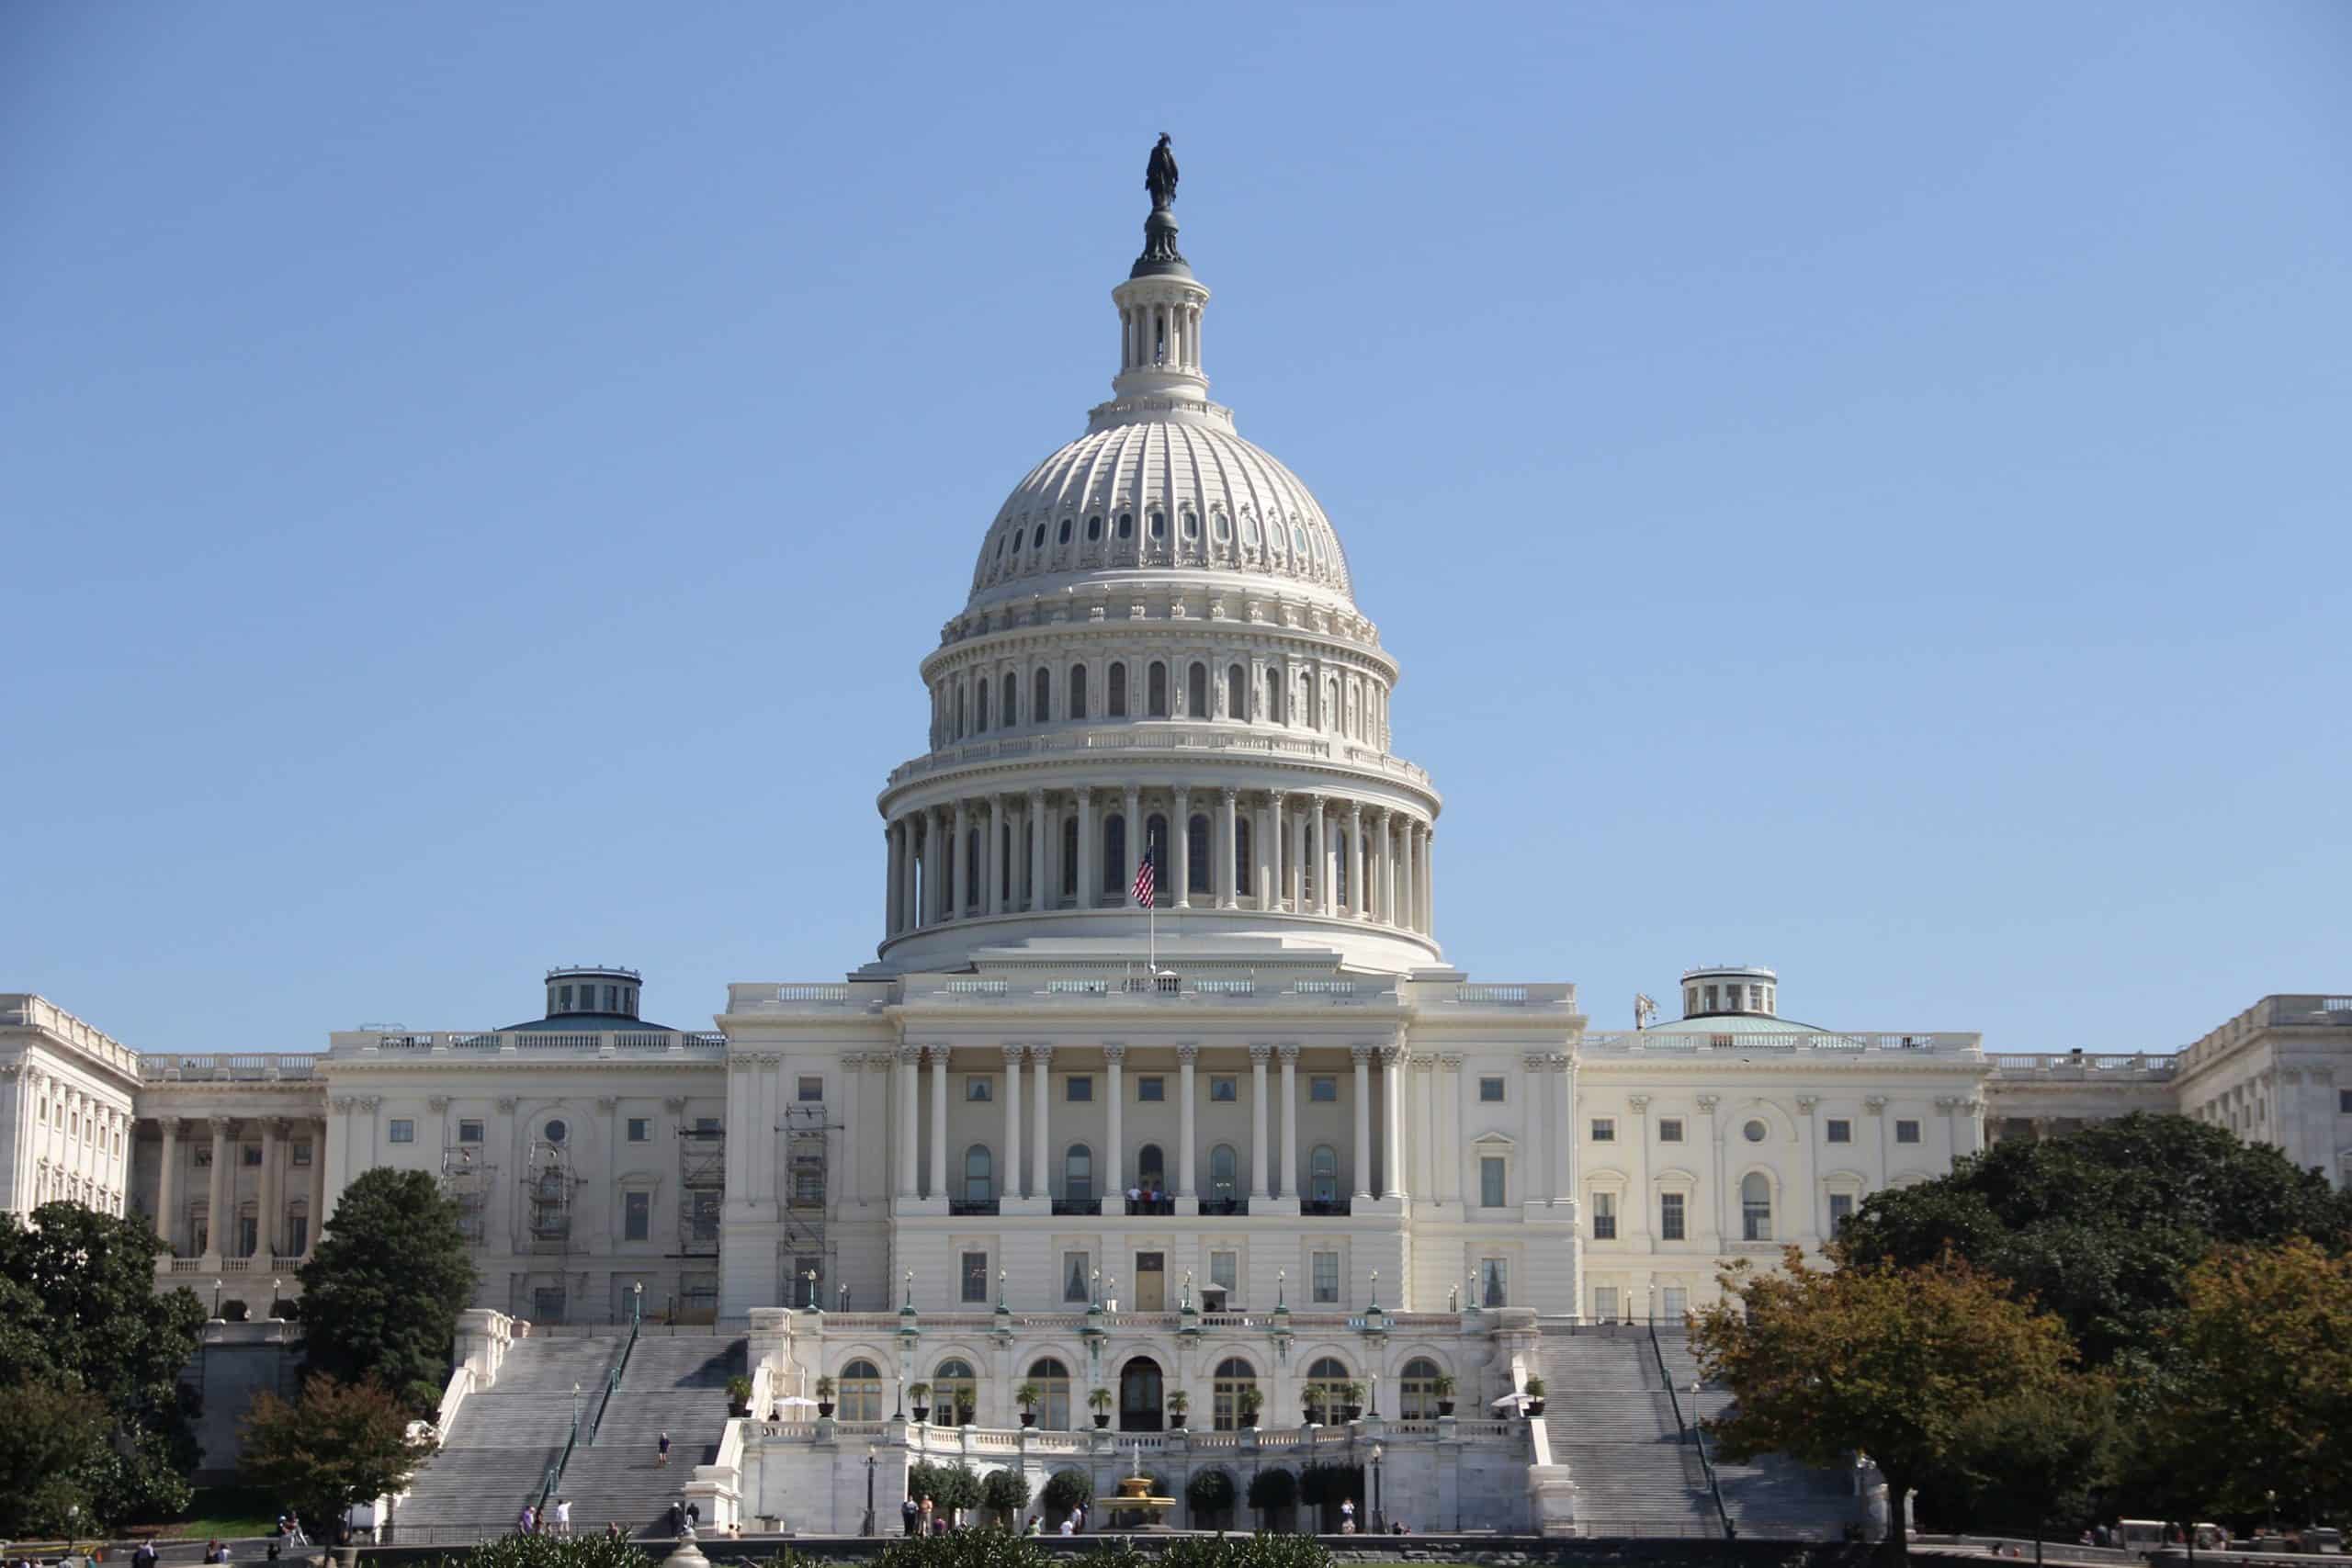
(1691, 1431)
(612, 1385)
(564, 1461)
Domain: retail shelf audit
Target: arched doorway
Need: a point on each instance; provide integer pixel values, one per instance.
(1139, 1396)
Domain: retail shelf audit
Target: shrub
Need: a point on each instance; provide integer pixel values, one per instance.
(1209, 1492)
(1066, 1490)
(1272, 1489)
(1333, 1483)
(1007, 1492)
(949, 1486)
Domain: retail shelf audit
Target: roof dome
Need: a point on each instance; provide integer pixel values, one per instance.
(1152, 493)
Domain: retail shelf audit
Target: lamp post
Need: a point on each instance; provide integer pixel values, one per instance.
(216, 1298)
(575, 1410)
(868, 1527)
(813, 1290)
(2271, 1496)
(1378, 1528)
(637, 1304)
(1374, 1411)
(275, 1286)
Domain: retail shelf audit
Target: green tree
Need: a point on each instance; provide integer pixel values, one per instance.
(338, 1444)
(1006, 1491)
(1890, 1362)
(1067, 1490)
(79, 1313)
(2102, 1226)
(2257, 1394)
(46, 1447)
(2033, 1462)
(384, 1286)
(1271, 1490)
(950, 1487)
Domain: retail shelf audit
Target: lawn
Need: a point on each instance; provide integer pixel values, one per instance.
(224, 1511)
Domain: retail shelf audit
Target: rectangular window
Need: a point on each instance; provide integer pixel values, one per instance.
(812, 1090)
(640, 1129)
(470, 1132)
(1490, 1091)
(1841, 1131)
(1225, 1270)
(1323, 1089)
(1669, 1216)
(1224, 1087)
(1604, 1129)
(298, 1234)
(706, 1215)
(248, 1235)
(1327, 1276)
(1490, 1181)
(1494, 1282)
(1906, 1131)
(637, 1216)
(1841, 1209)
(1669, 1130)
(203, 1158)
(1676, 1302)
(1151, 1088)
(1604, 1216)
(301, 1152)
(976, 1277)
(709, 1124)
(1075, 1274)
(2344, 1101)
(403, 1130)
(250, 1154)
(978, 1090)
(1082, 1089)
(1604, 1303)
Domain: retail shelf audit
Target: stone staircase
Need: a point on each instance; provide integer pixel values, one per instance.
(505, 1437)
(1611, 1423)
(1771, 1495)
(675, 1385)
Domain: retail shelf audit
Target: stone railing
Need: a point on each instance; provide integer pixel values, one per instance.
(1212, 740)
(1660, 1042)
(2301, 1011)
(529, 1042)
(268, 1066)
(1562, 996)
(1147, 991)
(1254, 1321)
(974, 1439)
(2064, 1067)
(25, 1010)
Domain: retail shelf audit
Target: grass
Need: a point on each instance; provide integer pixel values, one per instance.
(226, 1512)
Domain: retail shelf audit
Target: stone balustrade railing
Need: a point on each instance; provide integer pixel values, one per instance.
(1194, 738)
(267, 1067)
(2066, 1066)
(1659, 1043)
(529, 1042)
(1008, 1441)
(25, 1010)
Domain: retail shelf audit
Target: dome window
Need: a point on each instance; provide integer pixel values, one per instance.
(1192, 527)
(1249, 530)
(1160, 525)
(1127, 524)
(1224, 528)
(1298, 540)
(1038, 540)
(1063, 537)
(1093, 528)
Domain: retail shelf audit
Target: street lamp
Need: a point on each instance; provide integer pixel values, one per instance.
(1374, 1411)
(1377, 1527)
(575, 1410)
(276, 1287)
(2271, 1495)
(216, 1298)
(637, 1304)
(868, 1527)
(813, 1290)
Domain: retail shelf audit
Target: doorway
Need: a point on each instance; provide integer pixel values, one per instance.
(1139, 1396)
(1152, 1281)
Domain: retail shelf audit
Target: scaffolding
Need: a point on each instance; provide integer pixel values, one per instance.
(551, 1188)
(805, 1248)
(702, 1185)
(467, 1180)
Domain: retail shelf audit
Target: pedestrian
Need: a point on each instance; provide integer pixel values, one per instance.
(613, 1530)
(694, 1515)
(1070, 1523)
(926, 1516)
(1031, 1528)
(563, 1517)
(677, 1519)
(525, 1520)
(910, 1513)
(143, 1555)
(1078, 1519)
(662, 1454)
(1348, 1517)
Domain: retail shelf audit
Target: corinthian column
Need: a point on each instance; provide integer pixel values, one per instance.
(1185, 1056)
(938, 1122)
(959, 865)
(1088, 879)
(1228, 856)
(908, 1056)
(163, 1226)
(1356, 901)
(1012, 1184)
(1258, 1166)
(1114, 1187)
(1180, 864)
(218, 1206)
(1041, 1061)
(1362, 1158)
(1037, 851)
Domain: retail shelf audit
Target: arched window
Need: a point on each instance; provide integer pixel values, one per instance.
(1069, 857)
(979, 1175)
(1075, 706)
(1417, 1390)
(1156, 687)
(1116, 704)
(1077, 1174)
(1094, 528)
(959, 711)
(1037, 539)
(1243, 861)
(1052, 1379)
(1196, 856)
(1196, 692)
(1155, 827)
(1325, 1392)
(1233, 1375)
(1237, 695)
(1115, 852)
(1062, 536)
(980, 708)
(952, 1378)
(1009, 713)
(1273, 696)
(1151, 1168)
(859, 1391)
(1755, 1207)
(972, 893)
(1323, 1174)
(1225, 1172)
(1008, 858)
(1041, 699)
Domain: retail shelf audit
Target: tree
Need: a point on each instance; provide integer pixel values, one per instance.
(1271, 1490)
(1887, 1361)
(2259, 1389)
(384, 1286)
(2102, 1226)
(1066, 1491)
(1209, 1492)
(2033, 1462)
(79, 1313)
(1006, 1491)
(46, 1447)
(338, 1444)
(950, 1487)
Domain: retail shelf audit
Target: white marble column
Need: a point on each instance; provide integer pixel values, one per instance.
(219, 1205)
(1448, 1152)
(1428, 881)
(1360, 1157)
(1041, 1062)
(1533, 1177)
(1357, 903)
(1228, 851)
(1290, 1121)
(890, 879)
(1392, 1117)
(1137, 845)
(1115, 1158)
(1327, 859)
(271, 1207)
(938, 1122)
(1010, 1187)
(170, 1169)
(1265, 854)
(1563, 1068)
(959, 863)
(1261, 1170)
(1384, 883)
(908, 1056)
(1405, 904)
(993, 818)
(1420, 1110)
(1180, 864)
(1038, 899)
(1088, 879)
(1185, 1056)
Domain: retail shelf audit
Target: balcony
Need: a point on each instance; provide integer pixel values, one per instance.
(967, 1207)
(1091, 1206)
(1225, 1205)
(1326, 1208)
(1150, 1206)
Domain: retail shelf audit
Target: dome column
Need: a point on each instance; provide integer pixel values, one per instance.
(895, 834)
(1037, 851)
(1229, 857)
(1326, 859)
(1404, 896)
(1137, 846)
(1428, 879)
(1357, 903)
(1295, 890)
(959, 865)
(1265, 853)
(1387, 913)
(1180, 867)
(993, 864)
(1087, 879)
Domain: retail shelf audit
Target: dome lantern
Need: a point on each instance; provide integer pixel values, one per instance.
(1730, 990)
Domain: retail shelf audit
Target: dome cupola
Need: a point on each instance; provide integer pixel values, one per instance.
(1730, 990)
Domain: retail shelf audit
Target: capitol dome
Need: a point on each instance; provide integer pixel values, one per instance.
(1160, 658)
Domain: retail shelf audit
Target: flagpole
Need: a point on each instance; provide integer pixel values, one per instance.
(1151, 924)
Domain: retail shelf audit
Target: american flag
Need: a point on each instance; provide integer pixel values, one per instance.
(1144, 882)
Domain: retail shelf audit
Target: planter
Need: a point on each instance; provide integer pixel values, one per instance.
(923, 1412)
(734, 1409)
(1351, 1411)
(1535, 1408)
(1101, 1422)
(825, 1409)
(1445, 1407)
(1249, 1421)
(1028, 1418)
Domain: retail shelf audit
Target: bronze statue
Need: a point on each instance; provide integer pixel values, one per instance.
(1160, 174)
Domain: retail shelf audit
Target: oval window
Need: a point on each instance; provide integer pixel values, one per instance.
(1127, 524)
(1224, 529)
(1093, 528)
(1038, 540)
(1298, 540)
(1160, 525)
(556, 1131)
(1753, 1131)
(1249, 530)
(1063, 537)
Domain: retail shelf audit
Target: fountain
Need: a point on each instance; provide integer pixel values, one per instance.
(1147, 1512)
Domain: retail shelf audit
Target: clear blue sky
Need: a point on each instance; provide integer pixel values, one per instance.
(1862, 489)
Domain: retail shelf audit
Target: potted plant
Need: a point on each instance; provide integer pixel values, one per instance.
(1534, 1392)
(1026, 1396)
(1179, 1401)
(1099, 1401)
(825, 1387)
(918, 1397)
(1442, 1385)
(1310, 1405)
(1352, 1401)
(1248, 1403)
(739, 1396)
(967, 1405)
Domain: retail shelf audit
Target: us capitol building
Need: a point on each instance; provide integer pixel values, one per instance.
(1276, 1141)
